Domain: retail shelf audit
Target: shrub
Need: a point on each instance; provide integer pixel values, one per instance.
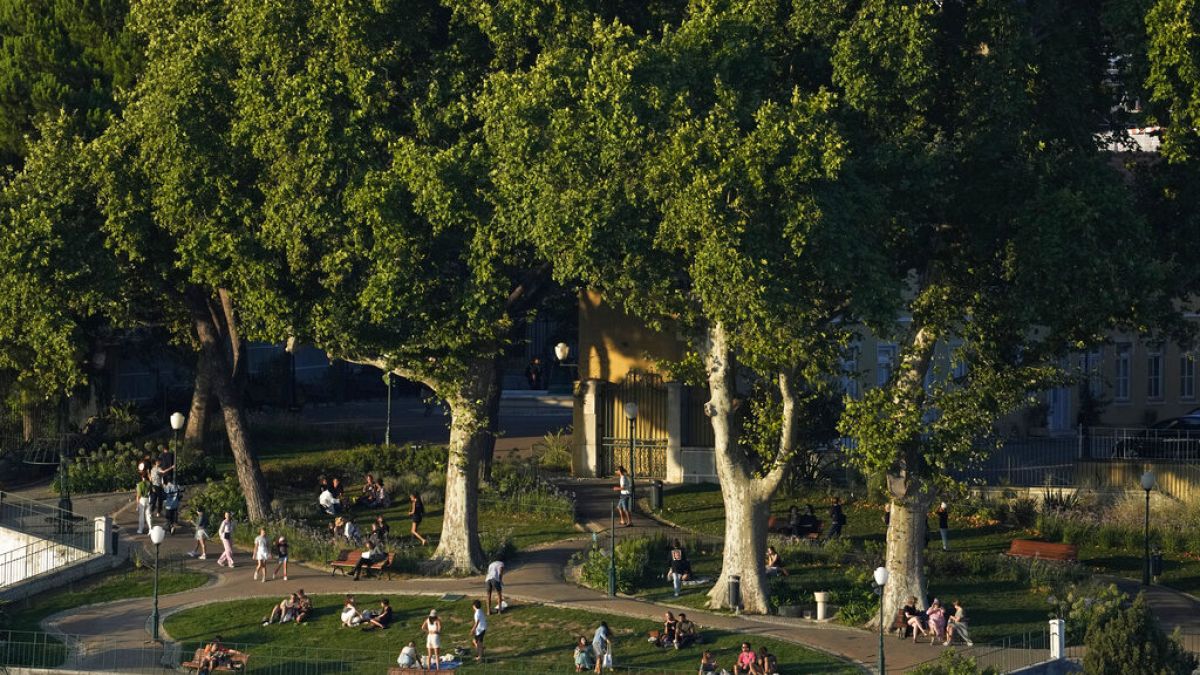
(106, 469)
(1076, 532)
(1049, 526)
(1022, 512)
(1086, 606)
(217, 497)
(1132, 642)
(1110, 536)
(553, 453)
(497, 545)
(953, 663)
(857, 604)
(353, 464)
(636, 561)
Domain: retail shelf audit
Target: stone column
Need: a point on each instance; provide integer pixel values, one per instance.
(590, 448)
(103, 541)
(674, 432)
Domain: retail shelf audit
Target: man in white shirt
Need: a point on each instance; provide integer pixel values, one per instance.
(625, 503)
(495, 582)
(478, 629)
(328, 502)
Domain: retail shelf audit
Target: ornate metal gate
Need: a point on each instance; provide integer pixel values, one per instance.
(649, 431)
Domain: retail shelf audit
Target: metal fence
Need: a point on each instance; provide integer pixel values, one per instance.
(41, 556)
(1008, 653)
(104, 654)
(1178, 445)
(39, 519)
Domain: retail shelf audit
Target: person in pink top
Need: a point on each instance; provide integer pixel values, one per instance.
(745, 660)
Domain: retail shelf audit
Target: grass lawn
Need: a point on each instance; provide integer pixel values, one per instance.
(524, 639)
(997, 608)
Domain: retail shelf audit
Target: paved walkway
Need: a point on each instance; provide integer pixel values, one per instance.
(535, 576)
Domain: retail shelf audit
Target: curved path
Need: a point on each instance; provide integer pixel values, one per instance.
(120, 628)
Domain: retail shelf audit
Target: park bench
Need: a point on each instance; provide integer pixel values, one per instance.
(778, 525)
(235, 661)
(346, 561)
(1043, 550)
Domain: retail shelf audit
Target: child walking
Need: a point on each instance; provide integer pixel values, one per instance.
(281, 554)
(201, 523)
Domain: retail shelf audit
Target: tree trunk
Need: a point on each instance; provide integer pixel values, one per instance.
(459, 549)
(911, 493)
(488, 454)
(209, 320)
(29, 421)
(747, 499)
(905, 548)
(197, 421)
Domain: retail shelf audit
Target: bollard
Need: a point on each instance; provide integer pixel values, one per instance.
(1058, 638)
(822, 598)
(735, 593)
(656, 495)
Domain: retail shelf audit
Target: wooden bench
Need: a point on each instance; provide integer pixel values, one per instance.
(1043, 550)
(346, 561)
(236, 661)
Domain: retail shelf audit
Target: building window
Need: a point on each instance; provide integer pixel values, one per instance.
(1121, 376)
(885, 361)
(850, 373)
(1093, 359)
(1154, 373)
(1187, 377)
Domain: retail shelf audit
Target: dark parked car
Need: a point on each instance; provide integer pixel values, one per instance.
(1177, 438)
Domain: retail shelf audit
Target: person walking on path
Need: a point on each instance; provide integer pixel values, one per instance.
(836, 518)
(478, 629)
(943, 515)
(433, 641)
(417, 513)
(201, 523)
(495, 582)
(281, 554)
(156, 488)
(602, 647)
(143, 505)
(225, 532)
(625, 500)
(262, 554)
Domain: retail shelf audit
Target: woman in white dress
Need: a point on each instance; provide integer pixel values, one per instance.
(261, 554)
(433, 640)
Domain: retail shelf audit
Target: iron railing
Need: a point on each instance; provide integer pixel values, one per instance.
(106, 654)
(39, 519)
(1125, 443)
(1008, 653)
(42, 555)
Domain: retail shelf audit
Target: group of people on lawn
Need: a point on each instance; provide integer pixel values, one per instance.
(678, 633)
(332, 501)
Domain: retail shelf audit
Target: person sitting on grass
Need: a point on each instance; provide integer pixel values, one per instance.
(351, 532)
(213, 656)
(679, 570)
(367, 498)
(328, 503)
(303, 606)
(351, 617)
(381, 619)
(775, 563)
(685, 632)
(408, 656)
(583, 656)
(283, 612)
(371, 555)
(746, 661)
(767, 663)
(380, 529)
(708, 664)
(338, 490)
(667, 636)
(382, 498)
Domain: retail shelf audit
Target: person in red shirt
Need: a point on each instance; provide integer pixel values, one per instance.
(745, 661)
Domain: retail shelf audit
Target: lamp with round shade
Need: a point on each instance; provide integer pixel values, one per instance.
(1148, 480)
(157, 534)
(881, 576)
(631, 410)
(1147, 485)
(562, 351)
(177, 420)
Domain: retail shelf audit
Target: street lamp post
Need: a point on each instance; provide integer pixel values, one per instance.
(1147, 485)
(612, 553)
(631, 411)
(387, 430)
(881, 577)
(177, 421)
(157, 534)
